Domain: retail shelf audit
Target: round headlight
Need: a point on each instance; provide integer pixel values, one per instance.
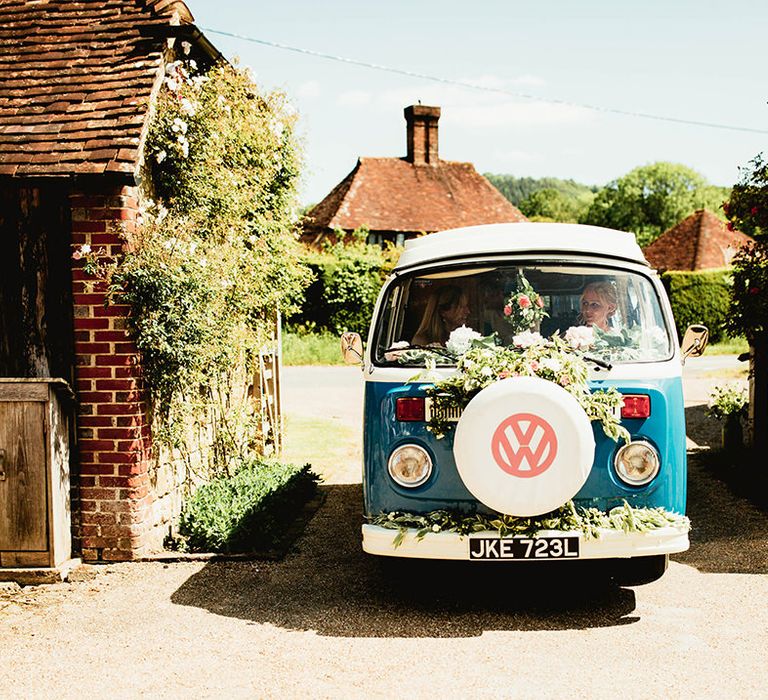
(410, 465)
(637, 463)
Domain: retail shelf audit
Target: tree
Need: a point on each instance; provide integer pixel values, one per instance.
(518, 189)
(651, 198)
(747, 210)
(554, 205)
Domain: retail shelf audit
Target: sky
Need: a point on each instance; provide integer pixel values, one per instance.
(702, 61)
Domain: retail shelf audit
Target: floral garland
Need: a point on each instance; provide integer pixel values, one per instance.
(531, 355)
(589, 521)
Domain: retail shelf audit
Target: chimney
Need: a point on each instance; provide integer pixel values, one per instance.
(422, 134)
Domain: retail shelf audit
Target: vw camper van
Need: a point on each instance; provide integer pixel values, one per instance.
(523, 401)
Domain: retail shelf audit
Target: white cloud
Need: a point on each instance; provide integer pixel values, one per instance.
(510, 113)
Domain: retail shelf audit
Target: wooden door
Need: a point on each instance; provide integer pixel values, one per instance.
(23, 502)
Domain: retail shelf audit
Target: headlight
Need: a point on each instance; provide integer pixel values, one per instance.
(410, 465)
(637, 463)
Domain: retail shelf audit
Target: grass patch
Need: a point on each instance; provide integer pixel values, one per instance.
(249, 511)
(729, 346)
(327, 444)
(311, 349)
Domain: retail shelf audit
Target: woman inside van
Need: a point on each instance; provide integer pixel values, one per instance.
(598, 304)
(447, 309)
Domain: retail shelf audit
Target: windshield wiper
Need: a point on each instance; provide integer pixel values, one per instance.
(598, 362)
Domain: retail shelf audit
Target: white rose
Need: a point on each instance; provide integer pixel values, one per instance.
(552, 364)
(461, 339)
(526, 339)
(580, 337)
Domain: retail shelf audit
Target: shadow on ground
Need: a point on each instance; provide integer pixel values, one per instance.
(329, 585)
(727, 504)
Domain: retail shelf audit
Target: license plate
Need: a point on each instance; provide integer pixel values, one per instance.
(495, 548)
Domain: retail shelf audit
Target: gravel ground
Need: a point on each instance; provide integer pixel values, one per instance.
(328, 621)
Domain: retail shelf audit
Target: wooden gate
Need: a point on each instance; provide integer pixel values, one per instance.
(267, 391)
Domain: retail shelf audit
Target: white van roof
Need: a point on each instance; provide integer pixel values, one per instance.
(527, 237)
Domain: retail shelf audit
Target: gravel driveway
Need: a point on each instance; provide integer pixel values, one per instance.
(330, 622)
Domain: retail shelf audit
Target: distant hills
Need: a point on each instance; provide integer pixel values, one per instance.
(518, 189)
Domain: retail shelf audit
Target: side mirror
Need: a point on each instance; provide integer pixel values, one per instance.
(694, 341)
(352, 348)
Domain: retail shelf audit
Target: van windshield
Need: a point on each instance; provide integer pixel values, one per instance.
(614, 315)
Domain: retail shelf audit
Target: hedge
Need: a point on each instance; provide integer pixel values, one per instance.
(247, 511)
(700, 297)
(348, 276)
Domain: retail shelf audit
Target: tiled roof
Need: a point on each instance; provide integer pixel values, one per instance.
(699, 242)
(391, 194)
(76, 77)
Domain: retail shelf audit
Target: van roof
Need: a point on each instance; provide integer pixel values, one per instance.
(527, 237)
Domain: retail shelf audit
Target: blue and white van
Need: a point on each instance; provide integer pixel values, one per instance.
(500, 478)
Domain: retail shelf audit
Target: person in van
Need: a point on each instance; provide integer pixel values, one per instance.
(598, 304)
(447, 309)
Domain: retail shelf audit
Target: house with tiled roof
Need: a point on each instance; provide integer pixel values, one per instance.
(77, 83)
(701, 241)
(400, 198)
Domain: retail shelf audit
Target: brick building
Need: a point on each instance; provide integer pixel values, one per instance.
(77, 81)
(701, 241)
(400, 198)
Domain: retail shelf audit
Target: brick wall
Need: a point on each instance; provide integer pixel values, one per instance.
(113, 495)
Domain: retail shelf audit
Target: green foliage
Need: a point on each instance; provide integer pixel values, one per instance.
(700, 297)
(748, 314)
(348, 276)
(747, 211)
(567, 518)
(652, 198)
(247, 511)
(727, 400)
(555, 205)
(319, 348)
(518, 189)
(747, 208)
(216, 252)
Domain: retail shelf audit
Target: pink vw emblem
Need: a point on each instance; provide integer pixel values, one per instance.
(524, 445)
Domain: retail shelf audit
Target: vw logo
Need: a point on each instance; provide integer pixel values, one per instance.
(524, 445)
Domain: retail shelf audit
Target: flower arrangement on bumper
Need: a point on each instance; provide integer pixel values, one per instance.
(555, 359)
(568, 518)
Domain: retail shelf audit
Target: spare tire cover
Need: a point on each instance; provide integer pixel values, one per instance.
(524, 446)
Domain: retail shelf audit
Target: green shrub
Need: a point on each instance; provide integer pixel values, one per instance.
(348, 276)
(247, 511)
(700, 297)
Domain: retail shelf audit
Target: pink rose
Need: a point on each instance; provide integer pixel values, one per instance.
(507, 310)
(77, 255)
(534, 365)
(540, 302)
(524, 302)
(564, 381)
(504, 374)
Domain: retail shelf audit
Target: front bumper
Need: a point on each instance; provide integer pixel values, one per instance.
(449, 545)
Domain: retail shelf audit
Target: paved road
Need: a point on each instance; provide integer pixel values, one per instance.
(330, 622)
